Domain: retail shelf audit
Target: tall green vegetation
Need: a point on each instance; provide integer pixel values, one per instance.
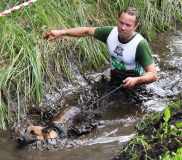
(27, 62)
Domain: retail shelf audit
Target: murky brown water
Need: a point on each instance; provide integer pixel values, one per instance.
(120, 116)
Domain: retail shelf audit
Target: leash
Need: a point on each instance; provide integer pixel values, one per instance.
(57, 128)
(93, 103)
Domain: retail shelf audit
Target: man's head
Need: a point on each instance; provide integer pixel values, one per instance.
(127, 23)
(132, 12)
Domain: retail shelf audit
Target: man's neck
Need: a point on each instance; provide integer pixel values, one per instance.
(127, 39)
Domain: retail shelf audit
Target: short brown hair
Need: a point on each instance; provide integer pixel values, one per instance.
(131, 11)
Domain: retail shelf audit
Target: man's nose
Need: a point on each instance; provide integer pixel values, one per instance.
(123, 26)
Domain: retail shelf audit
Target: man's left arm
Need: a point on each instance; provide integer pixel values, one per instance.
(144, 57)
(149, 76)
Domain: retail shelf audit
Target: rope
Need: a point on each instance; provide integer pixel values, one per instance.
(17, 7)
(94, 102)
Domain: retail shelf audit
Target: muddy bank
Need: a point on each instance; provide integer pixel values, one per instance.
(159, 135)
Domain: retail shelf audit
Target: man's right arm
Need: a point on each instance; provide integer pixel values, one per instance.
(74, 32)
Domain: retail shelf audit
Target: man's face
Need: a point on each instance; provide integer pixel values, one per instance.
(126, 26)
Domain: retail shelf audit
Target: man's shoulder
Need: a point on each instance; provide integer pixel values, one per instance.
(139, 37)
(105, 29)
(102, 33)
(143, 43)
(144, 53)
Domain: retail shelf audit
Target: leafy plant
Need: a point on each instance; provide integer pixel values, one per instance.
(166, 118)
(154, 132)
(176, 156)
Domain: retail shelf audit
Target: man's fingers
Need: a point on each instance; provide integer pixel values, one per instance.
(127, 83)
(47, 35)
(52, 38)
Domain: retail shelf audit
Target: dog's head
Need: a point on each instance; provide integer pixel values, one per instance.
(35, 133)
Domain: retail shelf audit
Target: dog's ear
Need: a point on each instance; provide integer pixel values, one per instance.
(48, 129)
(29, 123)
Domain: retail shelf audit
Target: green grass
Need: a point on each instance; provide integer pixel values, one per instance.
(27, 62)
(156, 126)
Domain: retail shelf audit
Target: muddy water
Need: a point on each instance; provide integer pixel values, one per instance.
(119, 117)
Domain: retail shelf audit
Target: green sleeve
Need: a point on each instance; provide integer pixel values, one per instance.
(101, 33)
(144, 54)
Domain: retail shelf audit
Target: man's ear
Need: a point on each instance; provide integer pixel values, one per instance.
(137, 25)
(48, 129)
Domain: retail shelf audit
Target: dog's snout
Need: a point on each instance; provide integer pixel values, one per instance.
(21, 140)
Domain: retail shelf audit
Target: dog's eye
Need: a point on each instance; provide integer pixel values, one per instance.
(32, 132)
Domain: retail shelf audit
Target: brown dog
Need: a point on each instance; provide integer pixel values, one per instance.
(57, 128)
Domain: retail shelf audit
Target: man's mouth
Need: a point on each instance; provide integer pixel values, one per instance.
(122, 33)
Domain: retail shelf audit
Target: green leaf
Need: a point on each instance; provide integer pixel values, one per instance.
(167, 114)
(179, 125)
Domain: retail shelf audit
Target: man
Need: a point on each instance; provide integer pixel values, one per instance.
(130, 54)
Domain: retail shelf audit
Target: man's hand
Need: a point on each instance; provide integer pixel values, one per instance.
(130, 82)
(54, 33)
(149, 76)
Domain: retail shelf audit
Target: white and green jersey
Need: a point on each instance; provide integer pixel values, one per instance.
(131, 55)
